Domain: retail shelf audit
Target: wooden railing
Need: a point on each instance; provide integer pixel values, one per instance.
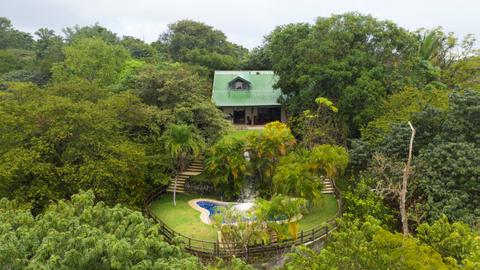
(206, 248)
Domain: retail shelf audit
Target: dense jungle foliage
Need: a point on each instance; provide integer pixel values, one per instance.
(90, 122)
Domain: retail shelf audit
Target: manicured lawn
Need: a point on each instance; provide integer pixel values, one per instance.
(185, 220)
(182, 218)
(238, 134)
(323, 211)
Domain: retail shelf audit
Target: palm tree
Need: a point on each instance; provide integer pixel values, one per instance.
(227, 166)
(182, 142)
(295, 179)
(429, 46)
(265, 150)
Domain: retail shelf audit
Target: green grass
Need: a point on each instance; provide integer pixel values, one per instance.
(322, 212)
(182, 218)
(239, 134)
(186, 220)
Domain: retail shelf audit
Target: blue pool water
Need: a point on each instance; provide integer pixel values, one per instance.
(210, 206)
(213, 208)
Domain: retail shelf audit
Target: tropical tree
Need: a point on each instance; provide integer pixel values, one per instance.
(361, 202)
(293, 178)
(446, 149)
(236, 232)
(227, 166)
(13, 38)
(359, 61)
(85, 234)
(319, 126)
(465, 73)
(329, 160)
(455, 241)
(366, 245)
(280, 215)
(75, 33)
(139, 49)
(400, 107)
(53, 146)
(92, 59)
(181, 143)
(265, 149)
(48, 49)
(181, 94)
(299, 173)
(197, 43)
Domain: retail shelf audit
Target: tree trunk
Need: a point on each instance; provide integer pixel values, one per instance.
(403, 191)
(175, 191)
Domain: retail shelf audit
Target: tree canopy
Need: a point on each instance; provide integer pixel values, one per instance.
(197, 43)
(82, 234)
(88, 109)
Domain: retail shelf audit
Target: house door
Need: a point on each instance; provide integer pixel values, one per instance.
(239, 117)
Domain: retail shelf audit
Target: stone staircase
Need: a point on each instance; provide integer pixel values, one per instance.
(327, 186)
(195, 168)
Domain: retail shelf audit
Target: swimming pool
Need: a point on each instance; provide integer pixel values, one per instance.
(209, 207)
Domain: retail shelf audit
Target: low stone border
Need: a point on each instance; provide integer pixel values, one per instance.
(204, 214)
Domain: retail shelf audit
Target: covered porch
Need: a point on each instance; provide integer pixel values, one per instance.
(255, 115)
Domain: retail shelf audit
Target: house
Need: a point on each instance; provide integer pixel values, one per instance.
(248, 96)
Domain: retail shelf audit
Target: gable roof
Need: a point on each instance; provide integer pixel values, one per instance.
(260, 92)
(239, 78)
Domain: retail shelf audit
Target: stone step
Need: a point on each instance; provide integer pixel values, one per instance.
(195, 168)
(178, 190)
(179, 180)
(186, 173)
(191, 173)
(178, 184)
(197, 162)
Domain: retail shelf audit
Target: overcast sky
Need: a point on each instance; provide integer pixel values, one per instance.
(243, 21)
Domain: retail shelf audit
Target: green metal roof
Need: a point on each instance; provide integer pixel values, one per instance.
(261, 92)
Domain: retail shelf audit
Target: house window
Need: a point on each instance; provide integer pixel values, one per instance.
(239, 85)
